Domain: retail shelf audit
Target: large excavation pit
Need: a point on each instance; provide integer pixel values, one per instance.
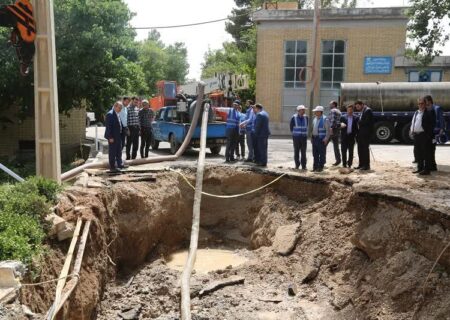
(302, 248)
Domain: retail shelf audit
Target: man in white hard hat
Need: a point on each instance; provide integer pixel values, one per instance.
(320, 137)
(299, 129)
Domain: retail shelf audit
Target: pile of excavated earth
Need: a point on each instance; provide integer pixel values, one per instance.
(338, 245)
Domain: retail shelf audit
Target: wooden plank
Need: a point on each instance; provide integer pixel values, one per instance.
(65, 271)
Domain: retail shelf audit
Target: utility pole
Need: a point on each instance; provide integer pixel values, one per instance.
(313, 87)
(48, 157)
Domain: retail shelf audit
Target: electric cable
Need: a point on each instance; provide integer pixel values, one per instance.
(192, 24)
(228, 196)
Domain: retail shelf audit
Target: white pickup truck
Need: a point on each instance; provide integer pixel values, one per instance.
(90, 118)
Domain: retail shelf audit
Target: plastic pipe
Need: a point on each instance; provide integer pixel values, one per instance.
(186, 276)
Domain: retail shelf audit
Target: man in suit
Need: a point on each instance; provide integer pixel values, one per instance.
(422, 132)
(262, 133)
(365, 129)
(438, 128)
(349, 130)
(113, 133)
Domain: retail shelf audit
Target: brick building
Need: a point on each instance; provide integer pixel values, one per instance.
(356, 45)
(17, 132)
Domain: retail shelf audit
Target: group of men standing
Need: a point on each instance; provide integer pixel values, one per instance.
(253, 126)
(342, 130)
(128, 120)
(427, 126)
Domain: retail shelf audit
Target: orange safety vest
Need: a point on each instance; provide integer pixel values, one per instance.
(23, 11)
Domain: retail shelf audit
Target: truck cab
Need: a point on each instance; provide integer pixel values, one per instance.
(169, 126)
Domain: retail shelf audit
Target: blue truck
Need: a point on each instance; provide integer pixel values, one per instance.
(394, 104)
(171, 125)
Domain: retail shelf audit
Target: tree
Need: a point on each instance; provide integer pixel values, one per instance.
(161, 62)
(428, 19)
(98, 58)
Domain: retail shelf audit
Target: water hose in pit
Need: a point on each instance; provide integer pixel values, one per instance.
(189, 266)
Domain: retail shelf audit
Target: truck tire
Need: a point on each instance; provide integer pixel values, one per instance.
(215, 150)
(405, 134)
(155, 144)
(383, 132)
(173, 144)
(211, 114)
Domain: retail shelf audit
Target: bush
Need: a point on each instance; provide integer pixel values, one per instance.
(23, 207)
(21, 237)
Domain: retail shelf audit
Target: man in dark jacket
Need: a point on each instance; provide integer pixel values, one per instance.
(349, 130)
(364, 134)
(262, 133)
(422, 132)
(146, 116)
(113, 133)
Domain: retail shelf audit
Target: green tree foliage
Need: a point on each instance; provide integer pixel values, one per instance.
(162, 62)
(98, 58)
(428, 28)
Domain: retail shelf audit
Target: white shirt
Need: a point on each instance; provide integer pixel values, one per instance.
(416, 126)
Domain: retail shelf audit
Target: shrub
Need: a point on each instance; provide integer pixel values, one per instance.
(21, 237)
(23, 207)
(45, 187)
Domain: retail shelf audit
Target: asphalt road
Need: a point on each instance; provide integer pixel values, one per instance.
(281, 153)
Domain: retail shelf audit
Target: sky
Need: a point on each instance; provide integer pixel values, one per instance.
(199, 39)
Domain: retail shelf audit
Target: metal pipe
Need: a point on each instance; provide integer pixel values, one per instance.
(105, 164)
(187, 271)
(11, 173)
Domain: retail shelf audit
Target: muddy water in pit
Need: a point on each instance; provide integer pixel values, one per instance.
(207, 260)
(358, 256)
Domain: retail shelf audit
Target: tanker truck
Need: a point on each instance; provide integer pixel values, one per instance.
(394, 104)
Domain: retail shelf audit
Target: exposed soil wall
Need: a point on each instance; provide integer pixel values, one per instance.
(360, 255)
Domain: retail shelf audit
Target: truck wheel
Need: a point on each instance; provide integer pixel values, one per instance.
(155, 144)
(215, 150)
(173, 144)
(384, 132)
(405, 134)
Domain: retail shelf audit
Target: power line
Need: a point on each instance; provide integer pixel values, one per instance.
(181, 25)
(191, 24)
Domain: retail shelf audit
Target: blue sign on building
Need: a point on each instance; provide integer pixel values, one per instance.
(378, 65)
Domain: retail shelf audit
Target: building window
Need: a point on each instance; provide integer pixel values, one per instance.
(425, 76)
(295, 53)
(333, 64)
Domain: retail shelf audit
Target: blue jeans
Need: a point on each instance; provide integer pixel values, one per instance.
(319, 152)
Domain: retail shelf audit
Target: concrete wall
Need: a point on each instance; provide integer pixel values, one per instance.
(13, 129)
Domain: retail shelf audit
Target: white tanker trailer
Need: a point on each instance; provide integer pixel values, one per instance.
(394, 104)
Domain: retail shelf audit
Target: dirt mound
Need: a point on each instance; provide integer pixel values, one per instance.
(360, 253)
